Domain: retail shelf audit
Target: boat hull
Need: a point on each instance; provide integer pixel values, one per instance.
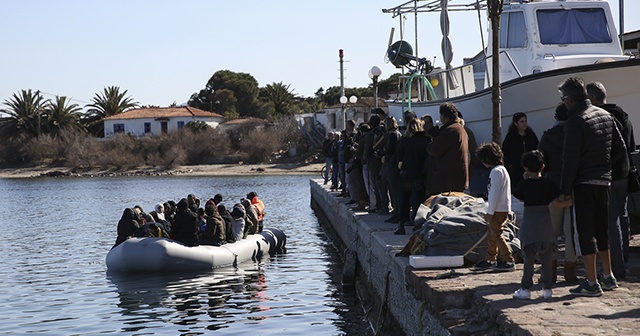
(165, 255)
(537, 95)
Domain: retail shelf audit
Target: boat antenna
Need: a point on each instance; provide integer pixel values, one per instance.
(484, 47)
(415, 14)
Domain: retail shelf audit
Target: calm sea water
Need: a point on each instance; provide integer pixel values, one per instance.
(57, 232)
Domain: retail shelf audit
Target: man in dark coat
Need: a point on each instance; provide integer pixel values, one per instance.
(592, 143)
(619, 224)
(450, 154)
(185, 226)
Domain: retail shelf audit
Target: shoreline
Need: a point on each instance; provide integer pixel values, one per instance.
(237, 169)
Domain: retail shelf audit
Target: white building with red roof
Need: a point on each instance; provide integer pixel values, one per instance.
(157, 120)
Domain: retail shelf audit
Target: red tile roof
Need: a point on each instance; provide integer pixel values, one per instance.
(163, 112)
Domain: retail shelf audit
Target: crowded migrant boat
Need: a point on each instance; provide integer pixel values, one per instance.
(190, 235)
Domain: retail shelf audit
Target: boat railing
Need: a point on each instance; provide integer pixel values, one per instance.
(447, 83)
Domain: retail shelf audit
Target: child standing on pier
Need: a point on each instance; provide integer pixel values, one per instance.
(499, 257)
(537, 235)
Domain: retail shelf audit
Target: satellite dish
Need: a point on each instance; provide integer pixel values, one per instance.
(400, 53)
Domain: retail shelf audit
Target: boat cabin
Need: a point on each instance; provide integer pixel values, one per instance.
(537, 36)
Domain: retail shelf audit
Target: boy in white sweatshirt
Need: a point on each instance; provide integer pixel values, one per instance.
(499, 257)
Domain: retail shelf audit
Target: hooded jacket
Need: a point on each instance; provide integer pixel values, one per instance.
(185, 226)
(127, 226)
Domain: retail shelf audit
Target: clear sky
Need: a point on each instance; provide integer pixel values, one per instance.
(163, 51)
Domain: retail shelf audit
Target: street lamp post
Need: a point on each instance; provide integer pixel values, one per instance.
(344, 101)
(374, 73)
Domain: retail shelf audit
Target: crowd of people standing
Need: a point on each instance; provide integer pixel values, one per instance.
(573, 181)
(392, 172)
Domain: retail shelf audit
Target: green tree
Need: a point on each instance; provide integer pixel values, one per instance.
(280, 95)
(26, 115)
(110, 102)
(197, 126)
(61, 114)
(245, 93)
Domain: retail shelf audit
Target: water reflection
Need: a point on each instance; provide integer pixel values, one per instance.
(55, 280)
(224, 295)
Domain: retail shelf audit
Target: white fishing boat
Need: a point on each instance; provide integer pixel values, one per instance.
(157, 255)
(542, 43)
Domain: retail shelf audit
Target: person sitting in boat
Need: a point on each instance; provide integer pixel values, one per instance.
(127, 226)
(238, 213)
(259, 205)
(519, 139)
(151, 229)
(202, 221)
(158, 212)
(215, 231)
(169, 211)
(185, 226)
(217, 199)
(228, 223)
(143, 215)
(194, 202)
(251, 222)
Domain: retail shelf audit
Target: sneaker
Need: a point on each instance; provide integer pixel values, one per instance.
(482, 265)
(504, 266)
(607, 283)
(584, 289)
(522, 294)
(547, 293)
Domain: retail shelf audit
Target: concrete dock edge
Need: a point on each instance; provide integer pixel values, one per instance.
(375, 254)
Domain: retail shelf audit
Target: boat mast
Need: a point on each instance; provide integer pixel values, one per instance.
(621, 12)
(494, 9)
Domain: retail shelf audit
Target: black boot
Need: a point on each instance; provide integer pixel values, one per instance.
(399, 230)
(392, 219)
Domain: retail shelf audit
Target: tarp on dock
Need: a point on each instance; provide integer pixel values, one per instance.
(451, 224)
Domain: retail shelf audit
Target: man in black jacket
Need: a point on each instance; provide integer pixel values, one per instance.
(592, 143)
(618, 218)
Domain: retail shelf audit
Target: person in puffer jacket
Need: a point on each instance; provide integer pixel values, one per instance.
(592, 145)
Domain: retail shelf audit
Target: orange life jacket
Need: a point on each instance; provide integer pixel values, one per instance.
(259, 207)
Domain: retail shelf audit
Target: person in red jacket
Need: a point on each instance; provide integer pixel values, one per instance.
(255, 201)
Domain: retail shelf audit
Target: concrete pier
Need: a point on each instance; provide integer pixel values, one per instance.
(461, 302)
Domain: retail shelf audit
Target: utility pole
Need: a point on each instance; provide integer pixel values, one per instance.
(495, 10)
(344, 113)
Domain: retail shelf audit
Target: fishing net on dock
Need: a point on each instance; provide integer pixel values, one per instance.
(451, 224)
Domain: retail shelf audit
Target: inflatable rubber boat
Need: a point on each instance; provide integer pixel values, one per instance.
(166, 255)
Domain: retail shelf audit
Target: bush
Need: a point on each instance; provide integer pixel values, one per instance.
(79, 150)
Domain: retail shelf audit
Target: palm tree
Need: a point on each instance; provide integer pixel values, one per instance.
(26, 111)
(61, 114)
(280, 95)
(110, 102)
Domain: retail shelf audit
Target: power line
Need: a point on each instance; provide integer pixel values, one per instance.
(55, 95)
